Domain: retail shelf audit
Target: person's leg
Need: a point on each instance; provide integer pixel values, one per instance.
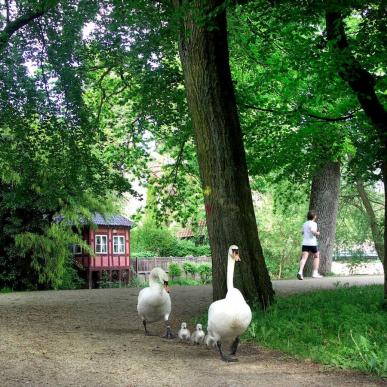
(316, 265)
(303, 260)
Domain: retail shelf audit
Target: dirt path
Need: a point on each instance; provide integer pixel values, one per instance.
(94, 338)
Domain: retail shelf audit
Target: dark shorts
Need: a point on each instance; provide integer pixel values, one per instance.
(310, 249)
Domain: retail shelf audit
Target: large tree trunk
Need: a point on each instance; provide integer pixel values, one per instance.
(362, 84)
(324, 199)
(227, 194)
(377, 234)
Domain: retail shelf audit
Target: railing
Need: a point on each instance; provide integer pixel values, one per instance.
(145, 265)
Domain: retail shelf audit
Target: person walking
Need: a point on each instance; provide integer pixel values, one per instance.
(310, 245)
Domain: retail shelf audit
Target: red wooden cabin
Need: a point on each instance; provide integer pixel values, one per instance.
(110, 241)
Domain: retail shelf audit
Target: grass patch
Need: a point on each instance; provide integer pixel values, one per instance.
(346, 328)
(185, 282)
(6, 290)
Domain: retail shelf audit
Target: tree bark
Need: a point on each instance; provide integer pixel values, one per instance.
(377, 234)
(362, 84)
(221, 155)
(324, 199)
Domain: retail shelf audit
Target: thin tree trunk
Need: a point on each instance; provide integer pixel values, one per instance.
(377, 234)
(362, 84)
(324, 199)
(223, 170)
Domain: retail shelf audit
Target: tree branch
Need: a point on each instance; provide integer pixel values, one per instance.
(290, 112)
(350, 70)
(15, 25)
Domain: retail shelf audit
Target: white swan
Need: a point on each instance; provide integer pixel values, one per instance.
(230, 317)
(197, 336)
(184, 333)
(154, 302)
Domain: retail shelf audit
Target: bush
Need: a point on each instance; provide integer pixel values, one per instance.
(205, 272)
(153, 240)
(185, 282)
(71, 279)
(189, 268)
(136, 283)
(174, 270)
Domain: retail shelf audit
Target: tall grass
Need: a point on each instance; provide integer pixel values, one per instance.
(344, 327)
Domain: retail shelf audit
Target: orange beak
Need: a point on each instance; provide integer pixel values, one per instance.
(166, 287)
(236, 256)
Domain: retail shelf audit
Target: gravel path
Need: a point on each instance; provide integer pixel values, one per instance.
(94, 338)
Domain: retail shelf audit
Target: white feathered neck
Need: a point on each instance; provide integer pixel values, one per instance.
(230, 269)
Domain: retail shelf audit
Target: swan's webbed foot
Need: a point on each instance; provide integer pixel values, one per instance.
(147, 333)
(234, 346)
(225, 358)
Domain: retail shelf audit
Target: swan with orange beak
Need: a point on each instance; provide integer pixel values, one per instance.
(228, 318)
(154, 302)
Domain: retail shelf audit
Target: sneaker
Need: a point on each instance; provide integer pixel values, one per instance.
(299, 276)
(317, 275)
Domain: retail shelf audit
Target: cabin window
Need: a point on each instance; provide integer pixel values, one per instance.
(118, 245)
(101, 244)
(76, 249)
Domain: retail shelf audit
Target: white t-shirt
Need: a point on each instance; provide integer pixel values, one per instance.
(309, 238)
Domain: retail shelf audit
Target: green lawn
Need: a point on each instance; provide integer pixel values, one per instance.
(345, 327)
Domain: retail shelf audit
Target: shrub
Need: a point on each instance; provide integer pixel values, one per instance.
(174, 270)
(70, 278)
(153, 240)
(185, 282)
(189, 268)
(205, 272)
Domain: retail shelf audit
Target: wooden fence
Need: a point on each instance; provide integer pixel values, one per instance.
(143, 266)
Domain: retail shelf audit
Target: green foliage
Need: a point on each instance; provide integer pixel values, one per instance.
(205, 272)
(190, 268)
(186, 282)
(70, 278)
(151, 239)
(106, 283)
(50, 252)
(174, 270)
(343, 327)
(136, 283)
(279, 232)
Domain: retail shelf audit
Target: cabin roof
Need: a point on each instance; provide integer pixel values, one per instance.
(112, 220)
(99, 220)
(189, 232)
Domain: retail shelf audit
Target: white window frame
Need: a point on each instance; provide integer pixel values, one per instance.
(118, 244)
(100, 251)
(76, 251)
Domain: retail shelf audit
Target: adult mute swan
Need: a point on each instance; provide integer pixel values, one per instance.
(230, 317)
(154, 302)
